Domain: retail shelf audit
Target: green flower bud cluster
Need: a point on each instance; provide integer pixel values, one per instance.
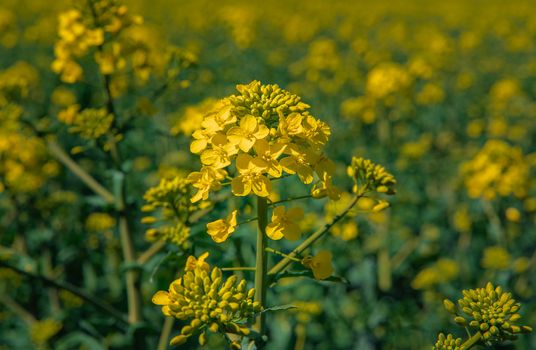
(490, 311)
(367, 174)
(92, 123)
(170, 201)
(448, 342)
(208, 302)
(266, 101)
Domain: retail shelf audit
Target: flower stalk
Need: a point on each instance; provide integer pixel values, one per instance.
(261, 265)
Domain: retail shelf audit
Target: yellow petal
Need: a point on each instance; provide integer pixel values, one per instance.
(248, 124)
(161, 298)
(240, 187)
(242, 162)
(197, 146)
(261, 186)
(274, 231)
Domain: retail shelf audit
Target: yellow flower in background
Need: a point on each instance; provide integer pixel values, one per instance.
(442, 271)
(99, 222)
(386, 79)
(285, 223)
(498, 169)
(512, 214)
(495, 258)
(41, 331)
(221, 229)
(251, 177)
(320, 264)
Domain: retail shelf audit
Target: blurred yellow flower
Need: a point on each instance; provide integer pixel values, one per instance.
(320, 264)
(285, 223)
(495, 258)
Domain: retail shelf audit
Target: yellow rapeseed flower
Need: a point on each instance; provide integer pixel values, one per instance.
(285, 223)
(221, 229)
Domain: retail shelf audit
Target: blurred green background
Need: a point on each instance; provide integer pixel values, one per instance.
(441, 94)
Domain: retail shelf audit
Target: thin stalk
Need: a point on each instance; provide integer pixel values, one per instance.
(131, 275)
(56, 150)
(277, 252)
(17, 309)
(291, 199)
(150, 252)
(238, 268)
(261, 266)
(285, 262)
(469, 343)
(164, 335)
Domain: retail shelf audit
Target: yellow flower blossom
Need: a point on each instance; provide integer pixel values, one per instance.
(219, 156)
(221, 229)
(206, 180)
(270, 154)
(247, 133)
(285, 223)
(299, 162)
(251, 177)
(320, 264)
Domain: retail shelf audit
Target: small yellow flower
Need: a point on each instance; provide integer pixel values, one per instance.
(219, 156)
(270, 153)
(299, 162)
(192, 262)
(221, 229)
(320, 264)
(285, 224)
(247, 133)
(251, 177)
(206, 180)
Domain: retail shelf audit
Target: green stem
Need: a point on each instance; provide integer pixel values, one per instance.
(261, 266)
(277, 252)
(469, 343)
(238, 268)
(291, 199)
(246, 221)
(285, 262)
(164, 335)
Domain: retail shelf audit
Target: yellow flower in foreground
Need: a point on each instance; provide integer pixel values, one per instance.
(206, 180)
(221, 229)
(247, 133)
(285, 223)
(320, 264)
(251, 177)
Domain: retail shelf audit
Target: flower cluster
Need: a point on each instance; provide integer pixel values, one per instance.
(24, 162)
(498, 169)
(91, 123)
(257, 136)
(370, 176)
(80, 31)
(490, 311)
(171, 199)
(447, 342)
(207, 301)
